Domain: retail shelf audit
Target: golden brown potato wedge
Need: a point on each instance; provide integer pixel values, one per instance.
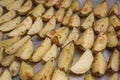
(83, 64)
(36, 26)
(99, 65)
(42, 49)
(40, 1)
(67, 17)
(45, 72)
(115, 21)
(22, 28)
(26, 71)
(6, 75)
(10, 25)
(115, 76)
(101, 25)
(13, 48)
(15, 5)
(50, 3)
(75, 6)
(7, 16)
(88, 77)
(25, 8)
(7, 60)
(118, 34)
(26, 51)
(49, 26)
(1, 54)
(86, 40)
(87, 8)
(59, 75)
(4, 3)
(48, 14)
(101, 9)
(112, 40)
(88, 22)
(52, 52)
(74, 21)
(113, 64)
(1, 10)
(73, 36)
(66, 56)
(100, 42)
(14, 68)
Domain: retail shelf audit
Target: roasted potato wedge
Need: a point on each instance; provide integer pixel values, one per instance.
(88, 77)
(48, 14)
(10, 25)
(86, 40)
(118, 34)
(14, 68)
(7, 16)
(59, 75)
(101, 25)
(113, 64)
(74, 21)
(1, 11)
(4, 3)
(83, 64)
(26, 71)
(52, 52)
(36, 26)
(22, 28)
(88, 22)
(40, 1)
(1, 54)
(26, 51)
(87, 8)
(101, 9)
(15, 5)
(112, 40)
(49, 26)
(50, 3)
(42, 49)
(75, 6)
(99, 65)
(45, 72)
(25, 8)
(13, 48)
(6, 75)
(66, 56)
(115, 76)
(100, 42)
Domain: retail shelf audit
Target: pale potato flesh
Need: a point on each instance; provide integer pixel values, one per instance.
(6, 75)
(4, 3)
(115, 76)
(50, 3)
(75, 6)
(88, 77)
(1, 10)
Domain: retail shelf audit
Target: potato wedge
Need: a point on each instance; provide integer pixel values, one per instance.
(59, 75)
(113, 64)
(75, 6)
(74, 21)
(26, 51)
(99, 65)
(6, 75)
(83, 64)
(88, 77)
(115, 76)
(7, 16)
(25, 8)
(45, 72)
(4, 3)
(1, 54)
(60, 14)
(60, 37)
(36, 26)
(1, 35)
(87, 8)
(15, 5)
(1, 11)
(112, 40)
(101, 9)
(13, 48)
(73, 36)
(7, 60)
(50, 3)
(114, 9)
(14, 68)
(88, 22)
(49, 26)
(100, 43)
(52, 52)
(42, 49)
(86, 40)
(40, 1)
(26, 71)
(48, 14)
(118, 34)
(67, 17)
(10, 25)
(22, 28)
(101, 25)
(66, 56)
(115, 21)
